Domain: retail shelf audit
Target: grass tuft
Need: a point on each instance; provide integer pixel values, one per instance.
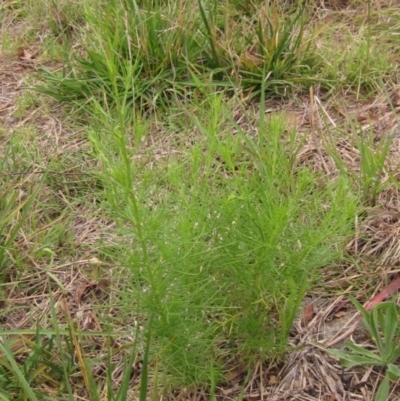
(153, 54)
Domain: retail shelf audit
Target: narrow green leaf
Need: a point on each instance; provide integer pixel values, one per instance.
(363, 352)
(383, 390)
(211, 38)
(144, 375)
(391, 323)
(122, 393)
(367, 319)
(349, 360)
(58, 341)
(376, 322)
(24, 384)
(396, 352)
(4, 397)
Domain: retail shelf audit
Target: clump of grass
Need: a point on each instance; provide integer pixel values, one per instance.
(281, 51)
(356, 62)
(131, 45)
(154, 49)
(371, 177)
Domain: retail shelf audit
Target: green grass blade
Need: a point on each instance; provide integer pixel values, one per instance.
(145, 369)
(383, 390)
(24, 384)
(60, 344)
(210, 34)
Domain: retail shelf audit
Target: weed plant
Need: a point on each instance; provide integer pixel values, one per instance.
(382, 323)
(225, 240)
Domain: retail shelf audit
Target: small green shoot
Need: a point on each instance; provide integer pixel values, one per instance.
(373, 159)
(371, 178)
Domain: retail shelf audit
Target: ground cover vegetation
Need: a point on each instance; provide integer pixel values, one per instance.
(191, 191)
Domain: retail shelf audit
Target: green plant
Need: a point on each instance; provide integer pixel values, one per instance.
(382, 323)
(69, 346)
(373, 157)
(155, 52)
(14, 210)
(24, 103)
(357, 61)
(31, 363)
(279, 52)
(373, 154)
(147, 54)
(227, 216)
(21, 381)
